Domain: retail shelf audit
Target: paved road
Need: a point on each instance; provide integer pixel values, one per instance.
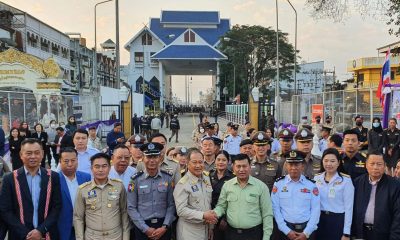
(189, 122)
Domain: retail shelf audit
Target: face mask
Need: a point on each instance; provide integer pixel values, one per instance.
(52, 125)
(201, 130)
(359, 124)
(328, 121)
(376, 124)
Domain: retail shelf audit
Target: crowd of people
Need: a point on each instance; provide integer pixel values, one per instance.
(250, 185)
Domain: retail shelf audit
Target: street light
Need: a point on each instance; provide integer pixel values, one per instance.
(277, 97)
(295, 48)
(95, 41)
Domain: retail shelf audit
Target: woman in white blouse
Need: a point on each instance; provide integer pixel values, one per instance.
(337, 197)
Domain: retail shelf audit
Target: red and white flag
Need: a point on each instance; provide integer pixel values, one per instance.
(385, 80)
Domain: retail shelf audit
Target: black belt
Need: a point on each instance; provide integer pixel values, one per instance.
(297, 226)
(368, 226)
(247, 230)
(330, 213)
(154, 220)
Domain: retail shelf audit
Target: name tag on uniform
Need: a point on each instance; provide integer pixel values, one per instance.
(331, 193)
(144, 186)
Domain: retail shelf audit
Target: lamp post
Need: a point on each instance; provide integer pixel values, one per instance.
(295, 48)
(234, 77)
(95, 41)
(277, 98)
(117, 41)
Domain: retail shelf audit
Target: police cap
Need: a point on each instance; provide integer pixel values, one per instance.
(294, 156)
(286, 134)
(151, 148)
(246, 142)
(304, 135)
(260, 138)
(182, 150)
(137, 140)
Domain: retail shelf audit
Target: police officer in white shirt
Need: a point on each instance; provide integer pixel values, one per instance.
(232, 141)
(120, 165)
(337, 197)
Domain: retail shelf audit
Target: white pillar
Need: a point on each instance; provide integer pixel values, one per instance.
(162, 84)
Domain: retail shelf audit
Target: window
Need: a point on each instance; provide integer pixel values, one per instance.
(189, 36)
(147, 39)
(55, 50)
(44, 45)
(154, 62)
(139, 58)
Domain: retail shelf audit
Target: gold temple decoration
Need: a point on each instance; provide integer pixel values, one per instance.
(48, 68)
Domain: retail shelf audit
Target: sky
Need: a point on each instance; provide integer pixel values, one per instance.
(318, 40)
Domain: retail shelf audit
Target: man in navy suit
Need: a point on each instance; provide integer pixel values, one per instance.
(30, 197)
(70, 179)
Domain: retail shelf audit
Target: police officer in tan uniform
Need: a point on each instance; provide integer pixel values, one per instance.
(100, 210)
(192, 197)
(304, 143)
(262, 166)
(285, 137)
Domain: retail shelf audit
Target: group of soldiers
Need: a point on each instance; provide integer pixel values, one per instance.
(242, 186)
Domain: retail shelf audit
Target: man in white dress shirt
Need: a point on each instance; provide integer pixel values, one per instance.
(121, 169)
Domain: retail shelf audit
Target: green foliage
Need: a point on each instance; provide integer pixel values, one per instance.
(264, 39)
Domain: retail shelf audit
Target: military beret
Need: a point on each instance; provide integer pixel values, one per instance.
(304, 135)
(260, 138)
(151, 148)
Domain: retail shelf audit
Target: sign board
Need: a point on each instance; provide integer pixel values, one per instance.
(317, 110)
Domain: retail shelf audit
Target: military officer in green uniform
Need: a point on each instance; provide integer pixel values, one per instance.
(100, 210)
(262, 166)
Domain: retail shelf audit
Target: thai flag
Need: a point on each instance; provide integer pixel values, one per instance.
(385, 79)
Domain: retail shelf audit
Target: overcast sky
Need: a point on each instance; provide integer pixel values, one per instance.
(334, 43)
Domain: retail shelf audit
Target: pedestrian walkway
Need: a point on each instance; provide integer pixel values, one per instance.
(188, 122)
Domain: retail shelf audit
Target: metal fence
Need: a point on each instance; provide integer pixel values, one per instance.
(342, 105)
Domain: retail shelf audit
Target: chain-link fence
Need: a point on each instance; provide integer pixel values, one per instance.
(343, 106)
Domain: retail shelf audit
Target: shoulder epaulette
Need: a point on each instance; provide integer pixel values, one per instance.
(309, 179)
(279, 178)
(206, 173)
(168, 173)
(363, 154)
(183, 180)
(345, 175)
(316, 157)
(174, 160)
(183, 170)
(227, 135)
(317, 174)
(138, 174)
(84, 184)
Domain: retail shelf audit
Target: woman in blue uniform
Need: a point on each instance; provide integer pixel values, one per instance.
(337, 197)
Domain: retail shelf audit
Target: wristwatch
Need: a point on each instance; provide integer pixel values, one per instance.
(166, 226)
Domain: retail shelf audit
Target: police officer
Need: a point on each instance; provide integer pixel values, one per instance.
(262, 166)
(145, 126)
(304, 142)
(391, 141)
(232, 141)
(192, 197)
(295, 201)
(353, 160)
(168, 165)
(317, 126)
(100, 206)
(329, 123)
(150, 201)
(208, 151)
(174, 126)
(246, 147)
(323, 142)
(286, 141)
(362, 133)
(134, 143)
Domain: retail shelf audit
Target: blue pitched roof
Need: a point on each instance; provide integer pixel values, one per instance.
(188, 52)
(190, 17)
(210, 35)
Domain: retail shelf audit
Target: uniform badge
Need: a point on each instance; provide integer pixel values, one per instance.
(195, 188)
(92, 194)
(315, 191)
(131, 187)
(303, 133)
(137, 138)
(151, 146)
(274, 189)
(305, 190)
(109, 205)
(285, 132)
(260, 136)
(284, 189)
(292, 154)
(360, 164)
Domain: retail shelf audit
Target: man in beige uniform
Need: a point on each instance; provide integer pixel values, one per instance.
(192, 197)
(100, 210)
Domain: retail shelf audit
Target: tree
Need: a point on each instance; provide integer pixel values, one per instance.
(264, 39)
(338, 10)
